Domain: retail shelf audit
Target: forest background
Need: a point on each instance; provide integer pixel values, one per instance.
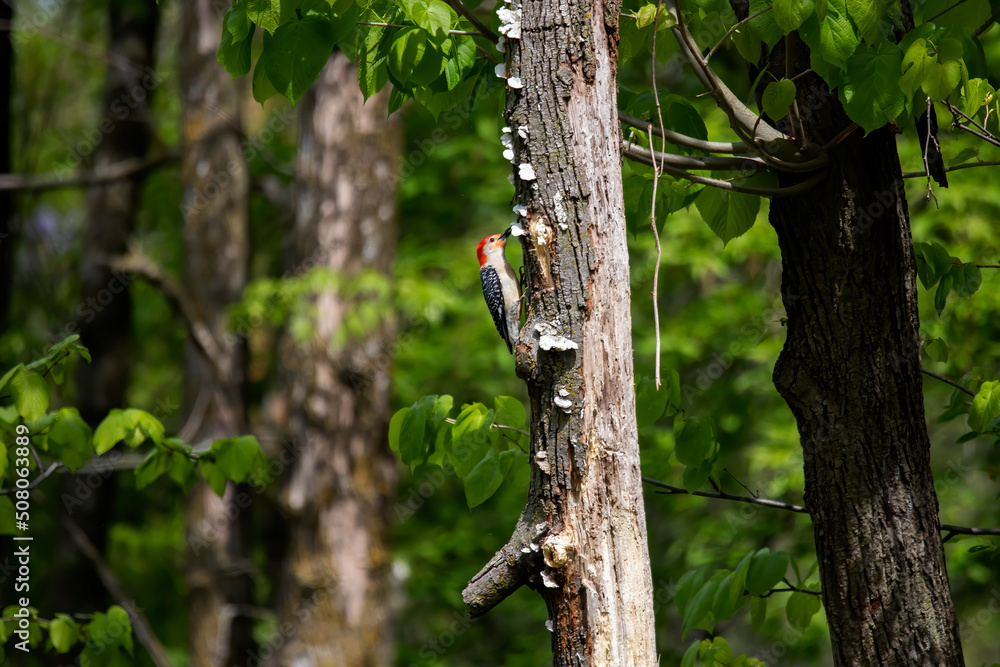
(721, 330)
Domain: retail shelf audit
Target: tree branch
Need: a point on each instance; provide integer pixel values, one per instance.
(699, 162)
(684, 140)
(970, 165)
(948, 381)
(985, 26)
(798, 188)
(201, 334)
(484, 30)
(38, 480)
(708, 56)
(143, 631)
(118, 171)
(510, 568)
(671, 490)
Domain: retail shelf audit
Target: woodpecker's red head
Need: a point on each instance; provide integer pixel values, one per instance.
(490, 244)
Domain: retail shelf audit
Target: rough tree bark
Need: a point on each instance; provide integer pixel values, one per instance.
(850, 371)
(581, 540)
(111, 209)
(216, 183)
(335, 578)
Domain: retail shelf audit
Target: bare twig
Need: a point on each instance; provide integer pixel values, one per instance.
(970, 165)
(684, 140)
(671, 490)
(123, 169)
(708, 56)
(38, 480)
(201, 334)
(927, 151)
(947, 381)
(379, 24)
(702, 162)
(806, 185)
(657, 168)
(944, 11)
(985, 26)
(484, 31)
(143, 631)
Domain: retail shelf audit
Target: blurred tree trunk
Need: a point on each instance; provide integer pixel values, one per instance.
(850, 372)
(215, 211)
(6, 131)
(585, 505)
(335, 581)
(126, 133)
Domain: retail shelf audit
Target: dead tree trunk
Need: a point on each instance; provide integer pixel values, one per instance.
(850, 371)
(215, 232)
(581, 541)
(338, 493)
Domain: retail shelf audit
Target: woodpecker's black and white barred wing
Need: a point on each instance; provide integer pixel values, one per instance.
(493, 293)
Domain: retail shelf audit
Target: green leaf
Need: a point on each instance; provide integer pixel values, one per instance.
(471, 438)
(9, 375)
(920, 58)
(985, 407)
(649, 403)
(406, 52)
(433, 16)
(789, 14)
(296, 54)
(31, 395)
(764, 26)
(509, 412)
(372, 61)
(234, 54)
(974, 95)
(728, 214)
(483, 480)
(832, 39)
(71, 439)
(458, 66)
(933, 262)
(414, 434)
(155, 464)
(118, 619)
(265, 13)
(63, 633)
(689, 583)
(214, 477)
(395, 424)
(237, 22)
(691, 654)
(870, 89)
(699, 607)
(758, 612)
(722, 608)
(942, 80)
(644, 17)
(941, 295)
(767, 568)
(694, 442)
(864, 13)
(777, 98)
(800, 609)
(936, 349)
(263, 89)
(738, 583)
(695, 477)
(968, 279)
(238, 458)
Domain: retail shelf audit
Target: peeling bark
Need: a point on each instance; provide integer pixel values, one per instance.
(334, 584)
(850, 372)
(585, 508)
(215, 233)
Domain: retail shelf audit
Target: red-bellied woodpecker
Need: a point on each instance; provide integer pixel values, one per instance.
(500, 286)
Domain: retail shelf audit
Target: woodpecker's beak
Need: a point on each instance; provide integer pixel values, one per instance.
(503, 237)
